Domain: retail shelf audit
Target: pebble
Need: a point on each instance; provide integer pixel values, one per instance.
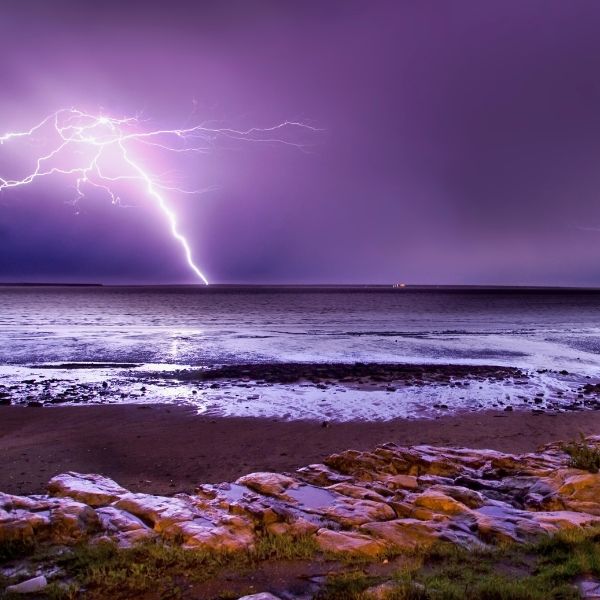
(31, 586)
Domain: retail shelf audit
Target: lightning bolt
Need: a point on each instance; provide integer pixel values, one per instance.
(88, 141)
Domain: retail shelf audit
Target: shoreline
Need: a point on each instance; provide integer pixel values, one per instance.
(165, 449)
(322, 391)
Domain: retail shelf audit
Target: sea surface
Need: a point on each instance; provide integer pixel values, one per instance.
(112, 339)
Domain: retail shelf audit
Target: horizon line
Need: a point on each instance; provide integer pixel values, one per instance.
(395, 286)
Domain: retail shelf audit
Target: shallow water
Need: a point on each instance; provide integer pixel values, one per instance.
(165, 328)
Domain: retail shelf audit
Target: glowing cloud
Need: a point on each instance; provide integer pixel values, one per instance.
(88, 142)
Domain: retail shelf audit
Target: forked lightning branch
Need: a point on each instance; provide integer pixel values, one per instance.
(97, 151)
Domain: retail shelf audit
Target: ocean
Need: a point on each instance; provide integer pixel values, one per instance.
(114, 340)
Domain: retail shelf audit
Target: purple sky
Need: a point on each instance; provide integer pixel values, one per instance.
(462, 139)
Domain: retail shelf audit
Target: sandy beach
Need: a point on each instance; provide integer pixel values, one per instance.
(167, 449)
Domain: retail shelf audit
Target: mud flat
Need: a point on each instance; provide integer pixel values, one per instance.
(166, 449)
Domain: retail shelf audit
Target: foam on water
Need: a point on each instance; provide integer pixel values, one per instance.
(70, 340)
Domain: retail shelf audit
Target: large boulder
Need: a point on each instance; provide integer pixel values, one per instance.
(93, 490)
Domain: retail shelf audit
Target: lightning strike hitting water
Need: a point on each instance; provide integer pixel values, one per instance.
(87, 141)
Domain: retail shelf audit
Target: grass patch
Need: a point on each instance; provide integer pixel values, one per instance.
(567, 555)
(346, 586)
(106, 571)
(542, 571)
(13, 549)
(502, 573)
(492, 587)
(284, 547)
(156, 568)
(56, 591)
(583, 455)
(457, 585)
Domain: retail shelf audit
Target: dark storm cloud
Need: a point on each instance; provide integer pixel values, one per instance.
(462, 142)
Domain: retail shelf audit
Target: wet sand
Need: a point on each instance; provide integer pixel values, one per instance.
(167, 449)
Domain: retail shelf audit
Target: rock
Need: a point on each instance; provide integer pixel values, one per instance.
(463, 495)
(396, 482)
(157, 511)
(126, 528)
(364, 466)
(271, 484)
(94, 490)
(348, 543)
(350, 512)
(321, 475)
(71, 521)
(355, 491)
(259, 513)
(21, 525)
(503, 523)
(205, 535)
(589, 588)
(406, 534)
(390, 590)
(357, 503)
(582, 487)
(383, 591)
(565, 519)
(297, 527)
(261, 596)
(178, 519)
(439, 502)
(31, 586)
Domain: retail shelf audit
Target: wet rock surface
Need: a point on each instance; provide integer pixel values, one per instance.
(327, 392)
(356, 503)
(53, 385)
(322, 373)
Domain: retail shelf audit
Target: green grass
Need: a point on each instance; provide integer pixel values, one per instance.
(284, 547)
(118, 573)
(106, 571)
(346, 586)
(582, 455)
(493, 587)
(449, 584)
(542, 571)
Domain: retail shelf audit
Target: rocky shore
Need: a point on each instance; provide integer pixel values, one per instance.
(364, 373)
(378, 503)
(50, 385)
